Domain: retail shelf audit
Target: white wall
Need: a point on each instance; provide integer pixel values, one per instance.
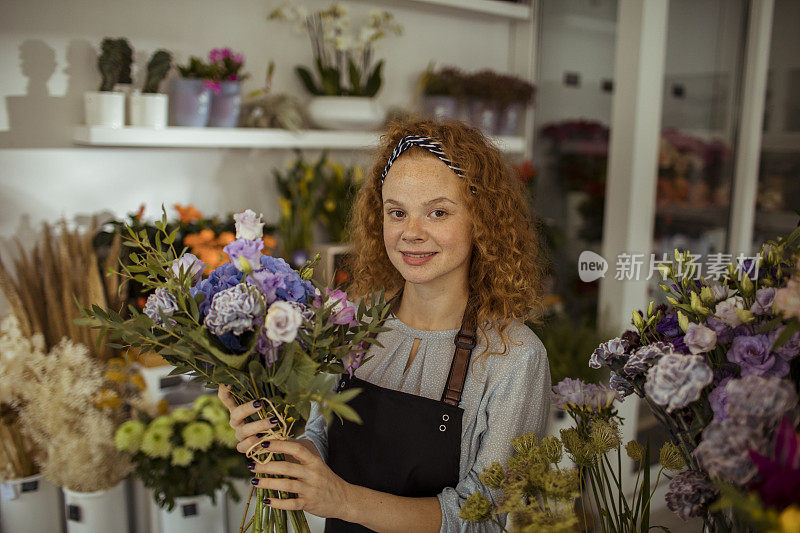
(48, 61)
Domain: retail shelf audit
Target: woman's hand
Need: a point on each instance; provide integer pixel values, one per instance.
(319, 490)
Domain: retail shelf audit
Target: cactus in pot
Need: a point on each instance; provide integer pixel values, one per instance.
(157, 69)
(114, 62)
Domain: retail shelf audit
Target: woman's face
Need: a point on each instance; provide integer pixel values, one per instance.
(427, 229)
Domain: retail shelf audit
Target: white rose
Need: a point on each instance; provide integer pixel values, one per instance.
(249, 226)
(726, 311)
(283, 321)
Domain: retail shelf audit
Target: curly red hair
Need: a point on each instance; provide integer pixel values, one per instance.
(505, 274)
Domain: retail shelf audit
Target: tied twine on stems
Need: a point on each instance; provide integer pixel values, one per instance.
(255, 453)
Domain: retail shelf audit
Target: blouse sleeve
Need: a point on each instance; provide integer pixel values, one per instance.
(317, 431)
(519, 404)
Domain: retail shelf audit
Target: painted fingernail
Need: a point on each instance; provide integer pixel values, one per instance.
(259, 435)
(257, 404)
(273, 420)
(265, 444)
(266, 500)
(251, 466)
(254, 481)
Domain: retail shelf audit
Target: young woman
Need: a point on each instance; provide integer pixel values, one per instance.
(443, 226)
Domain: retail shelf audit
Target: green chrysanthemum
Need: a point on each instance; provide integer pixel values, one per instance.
(163, 421)
(198, 435)
(225, 435)
(182, 456)
(215, 415)
(207, 400)
(183, 414)
(493, 475)
(476, 509)
(155, 441)
(128, 437)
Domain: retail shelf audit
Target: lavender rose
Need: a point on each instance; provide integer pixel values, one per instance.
(759, 401)
(764, 299)
(752, 353)
(607, 352)
(249, 226)
(677, 380)
(245, 254)
(283, 321)
(699, 338)
(191, 265)
(726, 310)
(161, 300)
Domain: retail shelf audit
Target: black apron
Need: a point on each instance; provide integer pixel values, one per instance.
(408, 445)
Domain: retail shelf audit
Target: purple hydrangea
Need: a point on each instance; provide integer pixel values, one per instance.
(191, 265)
(753, 354)
(723, 450)
(269, 283)
(607, 352)
(645, 357)
(763, 302)
(295, 288)
(243, 251)
(223, 277)
(235, 311)
(677, 380)
(759, 401)
(158, 303)
(690, 493)
(723, 331)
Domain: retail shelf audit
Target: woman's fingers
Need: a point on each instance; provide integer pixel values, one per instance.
(280, 468)
(239, 413)
(276, 483)
(224, 394)
(289, 504)
(293, 448)
(254, 428)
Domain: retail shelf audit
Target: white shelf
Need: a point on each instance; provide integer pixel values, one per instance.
(494, 8)
(177, 137)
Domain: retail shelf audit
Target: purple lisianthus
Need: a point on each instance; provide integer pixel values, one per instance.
(718, 399)
(607, 352)
(764, 299)
(223, 277)
(645, 357)
(677, 380)
(788, 350)
(721, 291)
(269, 283)
(671, 330)
(235, 311)
(690, 493)
(245, 254)
(353, 360)
(723, 450)
(249, 226)
(574, 392)
(700, 339)
(191, 265)
(723, 331)
(752, 353)
(341, 311)
(267, 348)
(758, 401)
(568, 391)
(161, 302)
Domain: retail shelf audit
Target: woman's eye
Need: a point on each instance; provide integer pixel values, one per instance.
(438, 213)
(396, 213)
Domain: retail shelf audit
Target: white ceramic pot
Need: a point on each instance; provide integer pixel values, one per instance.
(30, 504)
(195, 514)
(346, 112)
(104, 108)
(149, 110)
(96, 512)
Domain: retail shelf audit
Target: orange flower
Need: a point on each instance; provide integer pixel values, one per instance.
(225, 238)
(139, 213)
(526, 171)
(138, 381)
(116, 376)
(107, 399)
(162, 407)
(269, 244)
(187, 214)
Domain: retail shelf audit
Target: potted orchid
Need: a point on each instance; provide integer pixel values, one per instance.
(346, 80)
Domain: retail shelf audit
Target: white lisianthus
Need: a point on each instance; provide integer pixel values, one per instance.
(283, 321)
(249, 225)
(726, 311)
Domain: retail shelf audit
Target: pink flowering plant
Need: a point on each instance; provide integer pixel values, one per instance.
(222, 65)
(719, 367)
(254, 324)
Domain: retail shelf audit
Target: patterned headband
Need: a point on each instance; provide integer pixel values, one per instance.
(431, 145)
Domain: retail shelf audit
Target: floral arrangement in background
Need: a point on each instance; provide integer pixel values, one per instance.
(539, 494)
(719, 368)
(69, 404)
(343, 52)
(340, 191)
(254, 324)
(222, 65)
(446, 81)
(188, 452)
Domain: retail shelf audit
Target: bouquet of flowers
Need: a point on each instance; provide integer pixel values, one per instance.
(337, 54)
(719, 368)
(189, 452)
(254, 324)
(540, 494)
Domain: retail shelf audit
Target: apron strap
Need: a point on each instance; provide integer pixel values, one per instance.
(465, 341)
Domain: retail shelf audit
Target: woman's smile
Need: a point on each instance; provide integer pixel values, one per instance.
(417, 258)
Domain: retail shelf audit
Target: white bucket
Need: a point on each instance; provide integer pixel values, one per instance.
(30, 505)
(96, 512)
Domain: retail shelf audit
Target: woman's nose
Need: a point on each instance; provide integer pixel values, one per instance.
(414, 230)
